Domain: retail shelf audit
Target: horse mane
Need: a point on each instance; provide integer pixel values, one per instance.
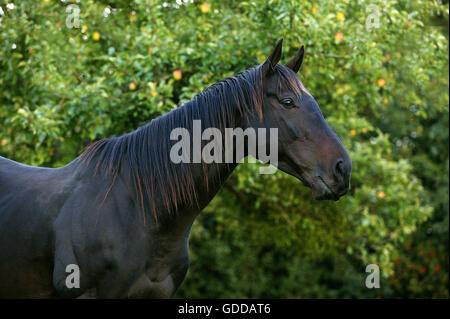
(146, 150)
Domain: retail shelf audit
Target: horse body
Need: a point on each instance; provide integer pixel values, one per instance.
(29, 201)
(122, 212)
(45, 226)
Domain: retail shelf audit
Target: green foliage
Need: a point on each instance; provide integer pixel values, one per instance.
(384, 91)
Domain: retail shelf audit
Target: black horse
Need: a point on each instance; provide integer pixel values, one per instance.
(121, 213)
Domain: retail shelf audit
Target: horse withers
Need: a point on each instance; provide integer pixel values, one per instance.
(119, 216)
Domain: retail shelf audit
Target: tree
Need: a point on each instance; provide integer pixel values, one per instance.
(383, 88)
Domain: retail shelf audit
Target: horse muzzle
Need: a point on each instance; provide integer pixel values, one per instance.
(334, 185)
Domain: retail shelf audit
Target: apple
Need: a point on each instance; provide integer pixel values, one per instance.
(339, 36)
(205, 7)
(96, 36)
(177, 74)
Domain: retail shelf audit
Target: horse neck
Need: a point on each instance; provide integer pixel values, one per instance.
(208, 180)
(210, 177)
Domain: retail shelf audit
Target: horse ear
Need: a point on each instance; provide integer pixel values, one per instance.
(274, 58)
(296, 62)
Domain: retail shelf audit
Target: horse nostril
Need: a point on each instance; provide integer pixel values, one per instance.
(339, 168)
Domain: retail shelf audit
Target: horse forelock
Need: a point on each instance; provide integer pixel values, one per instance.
(288, 80)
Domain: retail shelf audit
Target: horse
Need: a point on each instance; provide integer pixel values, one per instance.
(119, 215)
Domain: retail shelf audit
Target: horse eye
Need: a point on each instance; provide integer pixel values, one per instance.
(288, 103)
